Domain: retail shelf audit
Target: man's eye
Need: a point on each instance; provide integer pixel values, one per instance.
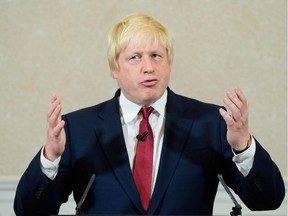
(135, 57)
(155, 55)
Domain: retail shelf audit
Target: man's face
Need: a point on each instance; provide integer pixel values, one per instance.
(144, 72)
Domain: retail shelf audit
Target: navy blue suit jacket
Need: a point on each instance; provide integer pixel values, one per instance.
(194, 151)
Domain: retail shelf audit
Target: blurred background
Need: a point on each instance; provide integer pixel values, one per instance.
(59, 47)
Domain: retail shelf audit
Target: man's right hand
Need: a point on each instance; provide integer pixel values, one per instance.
(55, 133)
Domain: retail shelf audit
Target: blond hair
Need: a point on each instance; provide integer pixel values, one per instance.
(138, 26)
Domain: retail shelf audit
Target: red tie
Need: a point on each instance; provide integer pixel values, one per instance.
(144, 159)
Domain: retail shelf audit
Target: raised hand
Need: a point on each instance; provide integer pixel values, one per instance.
(55, 133)
(237, 121)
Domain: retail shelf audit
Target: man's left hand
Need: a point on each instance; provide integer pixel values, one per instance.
(237, 121)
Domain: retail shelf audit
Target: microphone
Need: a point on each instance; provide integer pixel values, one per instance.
(236, 210)
(80, 204)
(143, 136)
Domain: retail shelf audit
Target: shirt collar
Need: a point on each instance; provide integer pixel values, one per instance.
(130, 110)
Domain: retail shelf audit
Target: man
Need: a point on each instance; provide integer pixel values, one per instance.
(188, 143)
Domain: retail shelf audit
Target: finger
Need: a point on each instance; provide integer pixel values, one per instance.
(227, 118)
(52, 106)
(54, 123)
(59, 127)
(54, 97)
(55, 116)
(234, 99)
(238, 98)
(240, 94)
(235, 112)
(245, 104)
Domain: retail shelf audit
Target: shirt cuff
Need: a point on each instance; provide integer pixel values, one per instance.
(49, 168)
(244, 161)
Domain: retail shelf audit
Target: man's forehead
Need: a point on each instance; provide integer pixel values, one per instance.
(142, 43)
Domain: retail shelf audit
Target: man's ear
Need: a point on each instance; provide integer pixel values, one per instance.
(114, 74)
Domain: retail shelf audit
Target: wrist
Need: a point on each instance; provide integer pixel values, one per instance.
(248, 144)
(48, 155)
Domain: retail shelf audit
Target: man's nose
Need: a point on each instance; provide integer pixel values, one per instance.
(148, 65)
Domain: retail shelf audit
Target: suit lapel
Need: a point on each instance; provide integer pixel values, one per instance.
(110, 134)
(177, 129)
(112, 140)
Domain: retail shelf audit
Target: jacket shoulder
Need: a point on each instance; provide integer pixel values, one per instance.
(191, 105)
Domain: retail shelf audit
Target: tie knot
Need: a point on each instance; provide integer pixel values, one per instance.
(146, 111)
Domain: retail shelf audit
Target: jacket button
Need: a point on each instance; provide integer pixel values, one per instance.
(258, 184)
(39, 192)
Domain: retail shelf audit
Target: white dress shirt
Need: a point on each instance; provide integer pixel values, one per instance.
(130, 119)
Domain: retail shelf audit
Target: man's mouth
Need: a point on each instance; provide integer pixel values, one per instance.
(149, 83)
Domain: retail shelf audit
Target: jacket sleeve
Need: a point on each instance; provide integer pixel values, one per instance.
(36, 194)
(263, 188)
(264, 182)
